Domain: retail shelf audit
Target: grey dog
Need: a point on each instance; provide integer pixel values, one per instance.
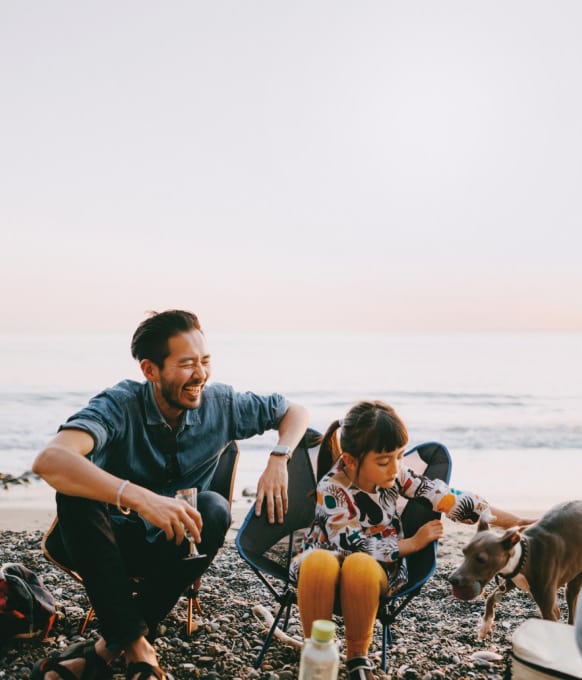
(539, 559)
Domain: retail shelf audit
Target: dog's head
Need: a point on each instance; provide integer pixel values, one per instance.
(485, 555)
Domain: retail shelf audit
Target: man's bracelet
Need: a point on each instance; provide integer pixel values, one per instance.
(120, 490)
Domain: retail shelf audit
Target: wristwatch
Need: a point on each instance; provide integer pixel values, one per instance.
(281, 450)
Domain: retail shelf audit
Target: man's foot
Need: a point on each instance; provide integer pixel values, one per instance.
(141, 670)
(87, 660)
(142, 662)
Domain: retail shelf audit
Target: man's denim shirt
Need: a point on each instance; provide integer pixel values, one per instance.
(133, 441)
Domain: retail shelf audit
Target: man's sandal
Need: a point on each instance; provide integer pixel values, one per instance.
(141, 670)
(96, 668)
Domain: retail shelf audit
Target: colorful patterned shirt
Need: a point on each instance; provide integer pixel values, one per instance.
(348, 519)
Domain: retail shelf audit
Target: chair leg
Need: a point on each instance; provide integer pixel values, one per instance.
(47, 629)
(386, 642)
(88, 618)
(285, 604)
(193, 602)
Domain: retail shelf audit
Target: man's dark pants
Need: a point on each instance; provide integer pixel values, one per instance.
(107, 553)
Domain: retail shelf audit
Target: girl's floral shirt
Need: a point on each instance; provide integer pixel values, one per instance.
(348, 519)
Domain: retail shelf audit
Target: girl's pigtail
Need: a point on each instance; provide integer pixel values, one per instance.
(329, 450)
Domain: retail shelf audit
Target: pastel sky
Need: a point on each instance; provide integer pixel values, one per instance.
(297, 165)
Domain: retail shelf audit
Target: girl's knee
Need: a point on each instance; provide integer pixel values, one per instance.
(359, 560)
(361, 569)
(320, 564)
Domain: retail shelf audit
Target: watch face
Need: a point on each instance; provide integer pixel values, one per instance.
(281, 450)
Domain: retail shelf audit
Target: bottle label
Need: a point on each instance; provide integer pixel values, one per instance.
(321, 672)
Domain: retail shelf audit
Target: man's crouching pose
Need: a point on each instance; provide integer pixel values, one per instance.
(117, 465)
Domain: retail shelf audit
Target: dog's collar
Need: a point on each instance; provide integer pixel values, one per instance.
(520, 563)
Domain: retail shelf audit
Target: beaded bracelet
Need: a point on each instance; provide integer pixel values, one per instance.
(122, 510)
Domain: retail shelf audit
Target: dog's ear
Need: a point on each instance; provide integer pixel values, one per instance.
(510, 538)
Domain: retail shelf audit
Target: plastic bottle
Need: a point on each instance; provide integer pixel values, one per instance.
(320, 655)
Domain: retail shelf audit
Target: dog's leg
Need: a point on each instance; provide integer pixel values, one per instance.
(572, 591)
(547, 601)
(489, 615)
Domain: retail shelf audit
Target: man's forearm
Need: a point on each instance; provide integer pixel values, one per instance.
(293, 425)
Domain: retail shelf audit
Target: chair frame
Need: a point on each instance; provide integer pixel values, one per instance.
(299, 515)
(222, 482)
(275, 575)
(413, 517)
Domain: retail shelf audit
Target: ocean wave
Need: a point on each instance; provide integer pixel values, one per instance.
(336, 398)
(507, 437)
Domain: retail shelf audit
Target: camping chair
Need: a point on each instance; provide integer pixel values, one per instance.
(257, 540)
(222, 482)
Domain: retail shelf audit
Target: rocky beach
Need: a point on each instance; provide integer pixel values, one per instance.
(434, 637)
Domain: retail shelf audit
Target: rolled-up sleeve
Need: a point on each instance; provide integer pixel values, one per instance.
(99, 419)
(459, 506)
(91, 427)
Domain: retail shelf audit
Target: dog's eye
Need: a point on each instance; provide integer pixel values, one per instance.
(481, 558)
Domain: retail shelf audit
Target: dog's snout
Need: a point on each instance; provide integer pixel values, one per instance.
(454, 579)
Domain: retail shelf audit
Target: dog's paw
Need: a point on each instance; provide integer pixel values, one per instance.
(484, 628)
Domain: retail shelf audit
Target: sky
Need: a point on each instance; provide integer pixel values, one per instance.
(291, 166)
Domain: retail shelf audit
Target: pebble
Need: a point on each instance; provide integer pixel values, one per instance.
(434, 637)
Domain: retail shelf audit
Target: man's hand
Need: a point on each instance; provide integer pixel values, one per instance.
(173, 516)
(272, 488)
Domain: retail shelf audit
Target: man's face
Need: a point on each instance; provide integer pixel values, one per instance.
(179, 383)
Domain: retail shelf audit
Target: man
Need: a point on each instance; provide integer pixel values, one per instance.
(116, 466)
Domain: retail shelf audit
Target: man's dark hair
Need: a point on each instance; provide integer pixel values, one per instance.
(150, 340)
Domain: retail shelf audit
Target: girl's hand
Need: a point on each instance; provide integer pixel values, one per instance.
(429, 532)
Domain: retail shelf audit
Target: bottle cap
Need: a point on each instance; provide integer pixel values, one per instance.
(322, 630)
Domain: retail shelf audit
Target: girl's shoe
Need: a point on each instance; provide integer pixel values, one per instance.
(359, 668)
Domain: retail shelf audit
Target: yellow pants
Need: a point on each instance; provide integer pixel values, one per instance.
(359, 580)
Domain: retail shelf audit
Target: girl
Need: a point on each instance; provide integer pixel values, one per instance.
(355, 547)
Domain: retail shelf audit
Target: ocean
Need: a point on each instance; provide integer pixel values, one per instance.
(507, 405)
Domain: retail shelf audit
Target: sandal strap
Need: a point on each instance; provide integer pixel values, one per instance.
(96, 668)
(145, 670)
(78, 650)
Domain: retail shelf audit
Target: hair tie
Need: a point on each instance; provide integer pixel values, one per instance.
(338, 432)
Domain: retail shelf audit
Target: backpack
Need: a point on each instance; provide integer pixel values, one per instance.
(27, 608)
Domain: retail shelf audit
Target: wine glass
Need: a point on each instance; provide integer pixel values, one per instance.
(190, 496)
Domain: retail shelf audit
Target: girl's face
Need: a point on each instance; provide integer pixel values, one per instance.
(377, 469)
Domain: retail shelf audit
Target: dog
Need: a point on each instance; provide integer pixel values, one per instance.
(539, 559)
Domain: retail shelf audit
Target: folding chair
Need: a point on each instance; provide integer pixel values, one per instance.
(222, 482)
(268, 548)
